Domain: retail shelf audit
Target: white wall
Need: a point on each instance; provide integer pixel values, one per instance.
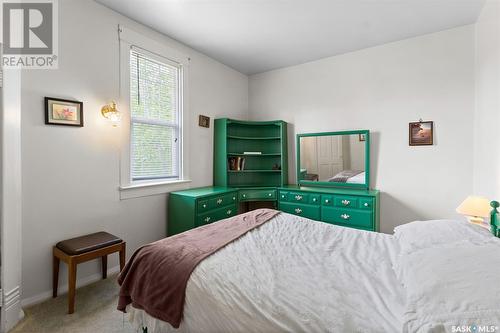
(382, 89)
(487, 117)
(71, 175)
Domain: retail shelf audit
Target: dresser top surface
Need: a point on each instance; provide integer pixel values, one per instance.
(344, 191)
(202, 191)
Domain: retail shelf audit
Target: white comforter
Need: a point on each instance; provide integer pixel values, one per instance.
(293, 275)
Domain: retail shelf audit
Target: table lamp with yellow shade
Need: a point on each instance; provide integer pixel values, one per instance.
(475, 208)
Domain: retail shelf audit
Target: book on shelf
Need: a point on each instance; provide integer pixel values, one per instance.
(236, 163)
(252, 153)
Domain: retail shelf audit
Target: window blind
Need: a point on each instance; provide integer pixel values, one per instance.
(154, 110)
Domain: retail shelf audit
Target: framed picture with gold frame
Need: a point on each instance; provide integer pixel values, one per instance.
(63, 112)
(421, 133)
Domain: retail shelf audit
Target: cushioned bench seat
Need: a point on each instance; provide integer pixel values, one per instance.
(87, 243)
(80, 249)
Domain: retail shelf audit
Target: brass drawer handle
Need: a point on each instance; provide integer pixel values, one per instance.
(298, 210)
(346, 202)
(298, 197)
(207, 219)
(229, 211)
(366, 204)
(219, 201)
(345, 216)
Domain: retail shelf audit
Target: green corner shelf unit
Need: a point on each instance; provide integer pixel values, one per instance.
(263, 145)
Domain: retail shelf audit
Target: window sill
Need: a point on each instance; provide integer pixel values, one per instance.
(152, 188)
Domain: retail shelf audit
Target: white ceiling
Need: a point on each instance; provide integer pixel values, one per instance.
(254, 36)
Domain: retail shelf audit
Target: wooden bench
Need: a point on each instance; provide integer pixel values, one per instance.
(77, 250)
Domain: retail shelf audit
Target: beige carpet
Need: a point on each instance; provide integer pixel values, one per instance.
(95, 313)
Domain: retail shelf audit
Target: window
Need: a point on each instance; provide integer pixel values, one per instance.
(155, 117)
(154, 145)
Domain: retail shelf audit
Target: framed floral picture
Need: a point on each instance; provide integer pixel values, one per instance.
(63, 112)
(421, 133)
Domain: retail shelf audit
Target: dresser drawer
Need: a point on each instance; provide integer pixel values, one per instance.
(327, 200)
(366, 203)
(203, 205)
(283, 196)
(314, 199)
(254, 194)
(298, 197)
(347, 217)
(309, 211)
(344, 201)
(216, 215)
(221, 200)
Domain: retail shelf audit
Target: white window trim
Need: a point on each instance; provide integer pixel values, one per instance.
(134, 189)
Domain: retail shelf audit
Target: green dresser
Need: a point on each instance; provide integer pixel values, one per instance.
(195, 207)
(347, 207)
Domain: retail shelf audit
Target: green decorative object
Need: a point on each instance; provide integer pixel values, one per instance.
(495, 219)
(330, 154)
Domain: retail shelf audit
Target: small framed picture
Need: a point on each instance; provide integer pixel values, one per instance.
(63, 112)
(362, 137)
(204, 121)
(421, 133)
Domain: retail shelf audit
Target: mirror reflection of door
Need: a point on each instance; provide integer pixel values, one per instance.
(330, 157)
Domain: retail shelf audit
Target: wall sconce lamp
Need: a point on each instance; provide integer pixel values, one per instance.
(110, 112)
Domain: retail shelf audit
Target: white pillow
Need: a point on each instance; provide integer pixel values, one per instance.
(456, 284)
(419, 235)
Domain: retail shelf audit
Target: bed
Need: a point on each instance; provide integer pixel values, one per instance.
(349, 177)
(292, 274)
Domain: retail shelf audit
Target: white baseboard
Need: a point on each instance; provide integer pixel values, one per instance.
(64, 288)
(11, 309)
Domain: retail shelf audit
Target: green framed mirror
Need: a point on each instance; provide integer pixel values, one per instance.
(334, 159)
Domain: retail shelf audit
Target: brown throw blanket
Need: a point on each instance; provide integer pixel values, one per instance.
(156, 276)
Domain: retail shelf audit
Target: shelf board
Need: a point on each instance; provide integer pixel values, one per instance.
(254, 138)
(246, 171)
(266, 154)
